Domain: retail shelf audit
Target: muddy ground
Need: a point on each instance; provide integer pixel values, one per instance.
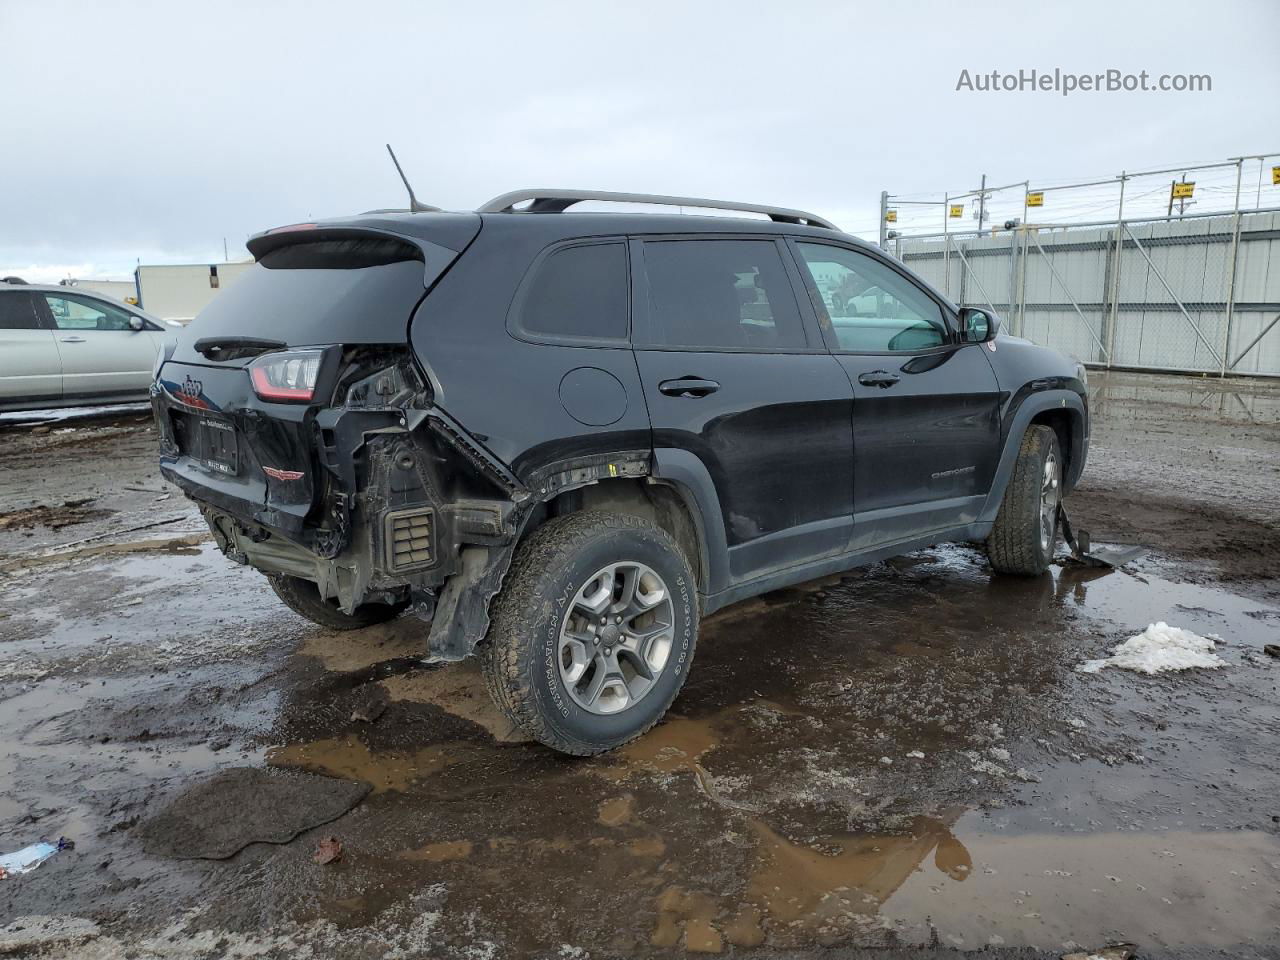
(904, 758)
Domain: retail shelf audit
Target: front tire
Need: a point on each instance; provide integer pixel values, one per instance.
(303, 598)
(1026, 528)
(593, 633)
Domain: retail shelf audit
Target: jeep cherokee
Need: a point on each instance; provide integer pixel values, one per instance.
(560, 437)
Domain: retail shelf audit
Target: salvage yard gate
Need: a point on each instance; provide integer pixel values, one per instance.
(1197, 294)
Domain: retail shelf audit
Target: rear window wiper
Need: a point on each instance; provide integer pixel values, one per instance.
(235, 348)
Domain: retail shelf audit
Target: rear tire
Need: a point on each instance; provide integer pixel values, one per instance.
(1026, 528)
(303, 598)
(593, 633)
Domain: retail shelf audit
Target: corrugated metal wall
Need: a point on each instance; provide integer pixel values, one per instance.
(1162, 302)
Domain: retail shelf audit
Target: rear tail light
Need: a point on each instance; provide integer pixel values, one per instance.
(288, 377)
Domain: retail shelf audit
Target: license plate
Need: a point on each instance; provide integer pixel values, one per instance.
(211, 441)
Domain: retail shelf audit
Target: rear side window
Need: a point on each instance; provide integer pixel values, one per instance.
(720, 295)
(18, 312)
(578, 293)
(78, 313)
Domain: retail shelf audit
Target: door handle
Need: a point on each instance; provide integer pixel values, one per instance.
(73, 339)
(688, 387)
(879, 378)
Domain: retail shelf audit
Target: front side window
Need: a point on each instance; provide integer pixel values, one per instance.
(720, 295)
(579, 292)
(18, 311)
(872, 307)
(75, 313)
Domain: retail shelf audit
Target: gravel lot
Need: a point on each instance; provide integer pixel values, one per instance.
(903, 759)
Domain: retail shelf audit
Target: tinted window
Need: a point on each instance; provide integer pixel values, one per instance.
(872, 307)
(18, 311)
(307, 306)
(720, 294)
(76, 313)
(579, 292)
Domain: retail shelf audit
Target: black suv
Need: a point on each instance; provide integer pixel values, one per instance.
(560, 438)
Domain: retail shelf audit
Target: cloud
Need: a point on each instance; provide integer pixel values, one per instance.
(156, 130)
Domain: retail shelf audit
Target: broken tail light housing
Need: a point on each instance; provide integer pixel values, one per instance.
(286, 377)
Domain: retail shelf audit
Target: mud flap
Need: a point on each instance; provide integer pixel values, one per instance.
(1082, 551)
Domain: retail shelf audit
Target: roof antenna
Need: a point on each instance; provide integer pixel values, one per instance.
(414, 205)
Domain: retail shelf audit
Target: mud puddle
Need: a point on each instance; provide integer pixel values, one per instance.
(885, 780)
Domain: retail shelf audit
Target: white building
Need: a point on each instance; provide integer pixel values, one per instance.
(180, 291)
(123, 290)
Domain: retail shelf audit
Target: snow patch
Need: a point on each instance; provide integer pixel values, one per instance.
(1158, 648)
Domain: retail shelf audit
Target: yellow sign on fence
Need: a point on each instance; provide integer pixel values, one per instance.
(891, 216)
(1181, 191)
(1275, 174)
(957, 209)
(1035, 198)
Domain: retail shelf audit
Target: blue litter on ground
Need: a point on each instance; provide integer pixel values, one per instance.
(28, 858)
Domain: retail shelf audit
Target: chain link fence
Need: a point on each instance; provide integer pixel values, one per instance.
(1199, 294)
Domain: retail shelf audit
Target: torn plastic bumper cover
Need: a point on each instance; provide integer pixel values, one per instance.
(411, 508)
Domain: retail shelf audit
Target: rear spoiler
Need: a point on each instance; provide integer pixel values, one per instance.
(437, 239)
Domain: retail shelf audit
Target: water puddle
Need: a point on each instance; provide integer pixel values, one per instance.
(440, 852)
(828, 892)
(1165, 889)
(458, 689)
(351, 650)
(1132, 599)
(942, 877)
(349, 759)
(617, 810)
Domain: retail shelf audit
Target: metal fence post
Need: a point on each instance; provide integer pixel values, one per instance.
(946, 246)
(1115, 276)
(1231, 274)
(1022, 284)
(1013, 265)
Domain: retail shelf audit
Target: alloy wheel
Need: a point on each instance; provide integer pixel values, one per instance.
(616, 638)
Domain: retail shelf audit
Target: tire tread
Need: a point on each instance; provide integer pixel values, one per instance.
(1013, 546)
(509, 658)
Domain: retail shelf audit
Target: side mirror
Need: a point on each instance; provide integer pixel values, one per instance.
(977, 326)
(135, 323)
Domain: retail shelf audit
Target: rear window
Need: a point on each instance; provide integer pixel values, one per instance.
(18, 311)
(578, 293)
(340, 291)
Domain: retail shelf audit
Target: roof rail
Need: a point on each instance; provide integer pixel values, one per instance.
(557, 201)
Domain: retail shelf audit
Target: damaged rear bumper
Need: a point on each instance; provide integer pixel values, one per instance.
(399, 504)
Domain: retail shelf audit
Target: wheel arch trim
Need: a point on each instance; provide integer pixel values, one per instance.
(684, 471)
(1031, 407)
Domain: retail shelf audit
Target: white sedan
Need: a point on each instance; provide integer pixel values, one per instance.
(62, 347)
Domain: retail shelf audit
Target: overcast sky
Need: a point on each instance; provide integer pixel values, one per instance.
(154, 130)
